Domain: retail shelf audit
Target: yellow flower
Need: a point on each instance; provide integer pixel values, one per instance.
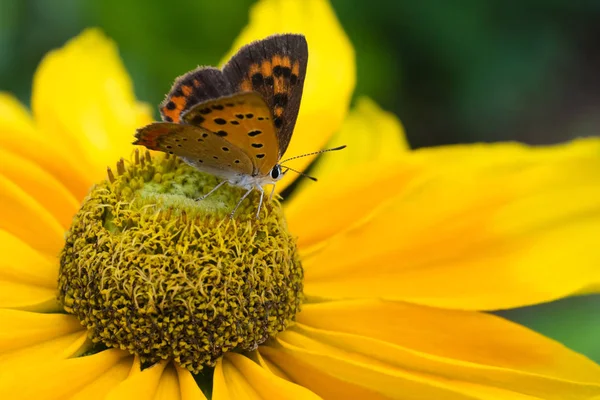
(403, 252)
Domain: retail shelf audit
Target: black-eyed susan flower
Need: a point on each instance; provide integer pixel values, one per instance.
(372, 283)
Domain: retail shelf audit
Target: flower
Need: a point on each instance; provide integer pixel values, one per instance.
(403, 252)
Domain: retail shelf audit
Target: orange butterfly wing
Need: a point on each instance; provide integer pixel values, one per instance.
(197, 146)
(275, 67)
(266, 77)
(245, 121)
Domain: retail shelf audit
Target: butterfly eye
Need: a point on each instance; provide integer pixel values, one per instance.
(276, 172)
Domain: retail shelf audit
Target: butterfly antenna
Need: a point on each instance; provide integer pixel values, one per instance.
(312, 178)
(312, 154)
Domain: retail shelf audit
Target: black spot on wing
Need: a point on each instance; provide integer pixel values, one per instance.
(197, 119)
(257, 80)
(280, 99)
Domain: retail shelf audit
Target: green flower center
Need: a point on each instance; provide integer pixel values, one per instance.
(148, 268)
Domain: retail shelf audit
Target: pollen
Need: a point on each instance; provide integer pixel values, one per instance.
(150, 269)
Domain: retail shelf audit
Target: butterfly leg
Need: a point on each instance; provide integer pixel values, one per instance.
(272, 193)
(262, 194)
(211, 191)
(240, 202)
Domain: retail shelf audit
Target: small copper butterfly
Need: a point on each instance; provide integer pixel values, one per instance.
(235, 122)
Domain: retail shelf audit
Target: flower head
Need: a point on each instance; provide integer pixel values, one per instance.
(392, 259)
(149, 269)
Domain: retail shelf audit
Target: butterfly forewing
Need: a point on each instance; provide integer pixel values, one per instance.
(274, 67)
(245, 121)
(197, 146)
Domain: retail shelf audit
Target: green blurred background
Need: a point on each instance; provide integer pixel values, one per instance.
(454, 71)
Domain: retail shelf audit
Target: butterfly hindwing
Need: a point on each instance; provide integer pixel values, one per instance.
(197, 86)
(276, 68)
(244, 120)
(197, 146)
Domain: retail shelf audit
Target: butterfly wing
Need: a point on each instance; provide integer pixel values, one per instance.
(274, 67)
(245, 121)
(192, 88)
(197, 146)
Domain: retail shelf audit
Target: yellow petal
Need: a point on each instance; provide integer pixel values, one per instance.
(593, 288)
(57, 379)
(106, 381)
(28, 297)
(24, 329)
(268, 365)
(372, 379)
(325, 385)
(341, 199)
(44, 188)
(502, 154)
(23, 217)
(14, 117)
(139, 384)
(372, 136)
(238, 377)
(83, 98)
(187, 385)
(397, 372)
(19, 136)
(168, 386)
(27, 279)
(463, 345)
(229, 383)
(355, 176)
(21, 262)
(331, 74)
(508, 233)
(55, 349)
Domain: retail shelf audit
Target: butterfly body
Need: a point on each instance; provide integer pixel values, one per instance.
(235, 122)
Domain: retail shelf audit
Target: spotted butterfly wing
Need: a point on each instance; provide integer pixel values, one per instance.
(244, 120)
(192, 88)
(197, 146)
(272, 70)
(276, 68)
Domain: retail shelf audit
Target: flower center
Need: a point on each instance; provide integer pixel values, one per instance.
(149, 269)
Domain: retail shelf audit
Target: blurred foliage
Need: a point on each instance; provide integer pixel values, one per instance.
(455, 71)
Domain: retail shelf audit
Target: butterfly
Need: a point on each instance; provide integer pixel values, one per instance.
(236, 122)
